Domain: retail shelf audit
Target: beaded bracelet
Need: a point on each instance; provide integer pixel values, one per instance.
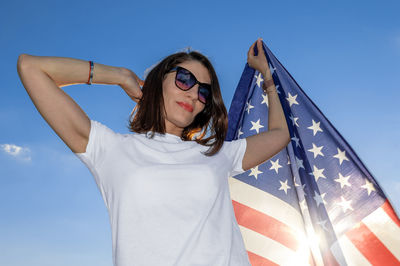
(90, 79)
(269, 84)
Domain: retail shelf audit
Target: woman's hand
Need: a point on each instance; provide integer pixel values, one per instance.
(132, 85)
(258, 62)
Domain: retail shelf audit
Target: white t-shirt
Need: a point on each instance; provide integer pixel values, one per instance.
(168, 204)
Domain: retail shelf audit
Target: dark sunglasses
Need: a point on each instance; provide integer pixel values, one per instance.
(185, 80)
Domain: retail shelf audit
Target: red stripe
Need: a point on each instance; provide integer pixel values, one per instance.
(311, 261)
(371, 247)
(265, 225)
(256, 260)
(329, 259)
(390, 212)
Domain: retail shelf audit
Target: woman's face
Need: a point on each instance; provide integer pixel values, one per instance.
(182, 106)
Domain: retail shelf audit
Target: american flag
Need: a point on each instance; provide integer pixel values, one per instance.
(315, 202)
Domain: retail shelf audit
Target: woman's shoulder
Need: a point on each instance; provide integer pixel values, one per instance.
(107, 132)
(235, 145)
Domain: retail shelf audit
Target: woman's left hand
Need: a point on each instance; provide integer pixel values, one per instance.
(258, 62)
(132, 84)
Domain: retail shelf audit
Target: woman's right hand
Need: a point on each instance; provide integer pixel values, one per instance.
(132, 85)
(258, 62)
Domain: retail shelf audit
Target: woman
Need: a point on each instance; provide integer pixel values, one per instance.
(166, 185)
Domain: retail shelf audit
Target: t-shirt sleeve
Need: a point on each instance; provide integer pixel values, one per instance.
(234, 150)
(100, 138)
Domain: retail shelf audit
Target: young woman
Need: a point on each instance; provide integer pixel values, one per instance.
(166, 184)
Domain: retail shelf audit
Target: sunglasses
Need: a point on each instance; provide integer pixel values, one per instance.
(185, 80)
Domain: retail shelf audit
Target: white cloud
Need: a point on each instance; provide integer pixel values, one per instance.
(16, 151)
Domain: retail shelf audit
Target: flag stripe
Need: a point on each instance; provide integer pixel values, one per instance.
(256, 260)
(389, 210)
(370, 246)
(262, 246)
(265, 203)
(351, 254)
(265, 225)
(385, 229)
(275, 224)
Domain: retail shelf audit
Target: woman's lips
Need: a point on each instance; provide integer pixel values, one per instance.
(186, 106)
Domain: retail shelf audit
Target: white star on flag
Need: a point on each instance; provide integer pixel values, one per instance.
(255, 172)
(368, 186)
(259, 80)
(319, 199)
(344, 181)
(275, 165)
(345, 204)
(265, 99)
(294, 120)
(256, 126)
(314, 193)
(249, 106)
(315, 127)
(316, 150)
(317, 173)
(341, 155)
(292, 99)
(284, 186)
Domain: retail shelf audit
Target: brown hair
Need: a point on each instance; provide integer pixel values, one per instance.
(149, 116)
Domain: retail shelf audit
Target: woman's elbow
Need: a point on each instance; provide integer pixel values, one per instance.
(23, 60)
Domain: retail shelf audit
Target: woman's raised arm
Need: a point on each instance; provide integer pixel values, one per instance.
(265, 145)
(42, 77)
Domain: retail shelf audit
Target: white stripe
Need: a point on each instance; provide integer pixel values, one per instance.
(385, 230)
(266, 203)
(352, 255)
(272, 250)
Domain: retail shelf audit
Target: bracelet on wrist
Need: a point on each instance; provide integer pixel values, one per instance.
(90, 79)
(269, 86)
(268, 83)
(271, 91)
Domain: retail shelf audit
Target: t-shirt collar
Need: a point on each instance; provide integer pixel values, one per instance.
(166, 137)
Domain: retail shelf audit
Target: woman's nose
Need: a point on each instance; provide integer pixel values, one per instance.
(193, 92)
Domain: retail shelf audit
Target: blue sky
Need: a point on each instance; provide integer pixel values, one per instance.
(345, 56)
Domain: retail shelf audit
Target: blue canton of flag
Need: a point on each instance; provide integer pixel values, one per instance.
(313, 203)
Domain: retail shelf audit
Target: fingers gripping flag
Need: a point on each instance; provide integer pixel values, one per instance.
(314, 203)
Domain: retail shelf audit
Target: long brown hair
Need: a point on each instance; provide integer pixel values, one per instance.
(149, 116)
